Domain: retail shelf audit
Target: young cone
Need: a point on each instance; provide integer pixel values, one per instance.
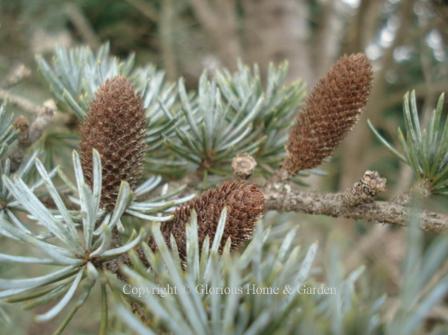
(244, 202)
(115, 126)
(330, 111)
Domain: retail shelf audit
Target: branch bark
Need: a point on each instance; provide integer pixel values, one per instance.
(20, 102)
(281, 196)
(16, 75)
(28, 133)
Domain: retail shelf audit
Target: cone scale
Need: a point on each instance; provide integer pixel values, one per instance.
(329, 113)
(115, 126)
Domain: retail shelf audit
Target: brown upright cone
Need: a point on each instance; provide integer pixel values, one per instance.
(244, 202)
(330, 111)
(115, 126)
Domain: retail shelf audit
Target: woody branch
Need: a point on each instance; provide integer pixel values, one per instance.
(284, 196)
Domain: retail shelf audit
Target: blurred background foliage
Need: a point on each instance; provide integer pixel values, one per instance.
(407, 42)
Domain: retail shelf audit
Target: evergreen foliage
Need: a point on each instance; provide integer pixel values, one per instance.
(200, 305)
(83, 240)
(424, 150)
(230, 113)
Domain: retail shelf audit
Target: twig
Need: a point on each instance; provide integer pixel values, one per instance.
(365, 190)
(369, 242)
(30, 133)
(42, 120)
(20, 102)
(281, 196)
(17, 74)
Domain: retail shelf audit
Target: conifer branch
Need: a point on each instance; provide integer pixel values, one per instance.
(29, 133)
(16, 75)
(20, 102)
(283, 196)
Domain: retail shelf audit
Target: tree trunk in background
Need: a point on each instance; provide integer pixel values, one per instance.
(326, 46)
(364, 26)
(355, 159)
(275, 31)
(219, 19)
(166, 24)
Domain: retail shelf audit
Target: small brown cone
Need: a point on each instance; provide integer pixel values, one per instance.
(115, 126)
(244, 202)
(330, 111)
